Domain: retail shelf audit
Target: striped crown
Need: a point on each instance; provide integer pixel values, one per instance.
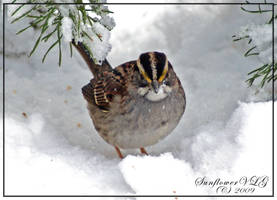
(153, 66)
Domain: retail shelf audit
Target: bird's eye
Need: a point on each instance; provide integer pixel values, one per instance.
(166, 82)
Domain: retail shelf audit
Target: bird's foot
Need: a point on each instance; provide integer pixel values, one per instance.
(142, 150)
(118, 152)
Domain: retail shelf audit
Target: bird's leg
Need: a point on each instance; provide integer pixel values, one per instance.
(142, 150)
(118, 152)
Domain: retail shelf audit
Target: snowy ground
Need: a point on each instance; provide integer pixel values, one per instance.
(225, 132)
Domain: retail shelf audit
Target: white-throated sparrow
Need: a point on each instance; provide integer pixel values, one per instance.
(135, 104)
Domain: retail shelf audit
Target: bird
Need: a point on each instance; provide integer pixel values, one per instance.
(135, 104)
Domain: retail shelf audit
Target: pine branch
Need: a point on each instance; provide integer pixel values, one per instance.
(48, 19)
(266, 72)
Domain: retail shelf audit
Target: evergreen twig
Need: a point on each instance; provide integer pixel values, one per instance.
(266, 72)
(40, 15)
(59, 41)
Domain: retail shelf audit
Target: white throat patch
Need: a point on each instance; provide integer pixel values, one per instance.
(163, 92)
(152, 96)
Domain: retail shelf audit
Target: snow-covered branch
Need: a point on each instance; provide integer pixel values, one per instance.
(260, 40)
(67, 21)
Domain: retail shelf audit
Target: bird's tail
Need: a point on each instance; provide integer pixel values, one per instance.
(94, 68)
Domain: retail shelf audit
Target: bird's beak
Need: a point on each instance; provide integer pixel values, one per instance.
(155, 86)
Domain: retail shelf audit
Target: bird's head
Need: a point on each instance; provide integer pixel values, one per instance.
(153, 67)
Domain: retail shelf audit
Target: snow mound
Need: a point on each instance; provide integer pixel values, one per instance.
(163, 175)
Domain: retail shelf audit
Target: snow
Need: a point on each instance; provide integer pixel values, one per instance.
(100, 45)
(67, 29)
(164, 175)
(108, 22)
(52, 147)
